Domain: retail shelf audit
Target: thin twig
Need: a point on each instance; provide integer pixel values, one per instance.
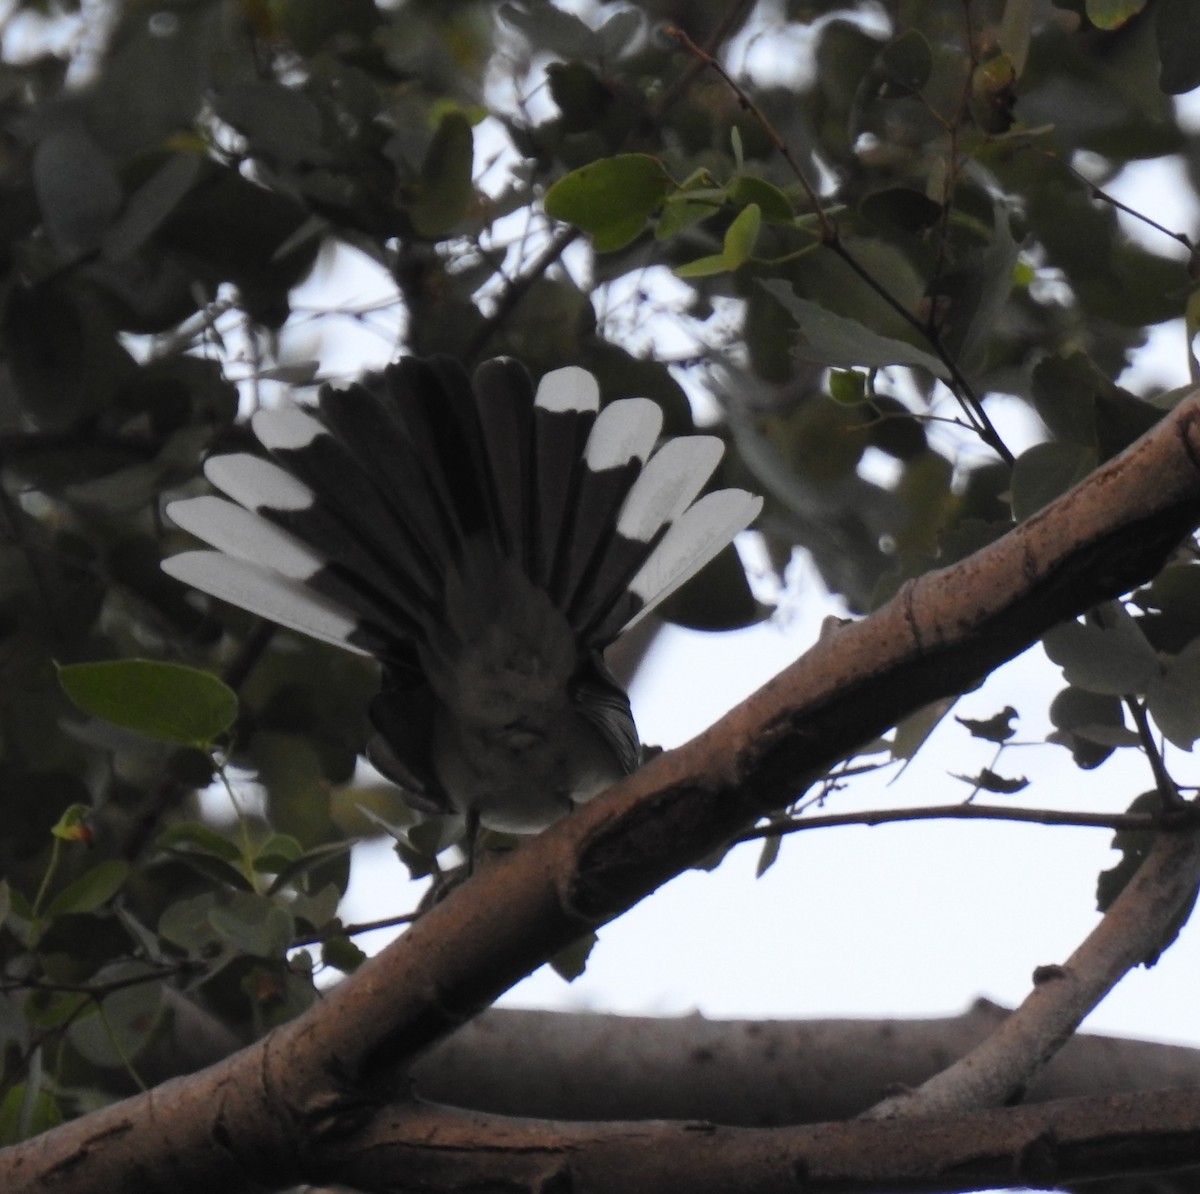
(1168, 790)
(733, 15)
(1183, 814)
(366, 926)
(1104, 197)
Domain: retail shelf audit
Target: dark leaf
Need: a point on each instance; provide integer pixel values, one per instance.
(829, 339)
(445, 190)
(988, 781)
(571, 962)
(1091, 725)
(1177, 26)
(997, 728)
(906, 63)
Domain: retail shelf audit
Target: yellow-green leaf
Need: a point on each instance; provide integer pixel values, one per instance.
(742, 235)
(611, 199)
(1112, 14)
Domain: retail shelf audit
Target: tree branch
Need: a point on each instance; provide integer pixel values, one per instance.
(272, 1109)
(1055, 1144)
(748, 1073)
(744, 1073)
(1133, 932)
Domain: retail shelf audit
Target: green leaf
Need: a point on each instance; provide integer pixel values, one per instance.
(621, 32)
(1112, 14)
(1077, 401)
(185, 923)
(907, 63)
(1115, 659)
(768, 855)
(342, 954)
(24, 1113)
(1090, 725)
(550, 28)
(902, 209)
(278, 851)
(848, 386)
(703, 267)
(150, 205)
(1045, 472)
(774, 204)
(93, 889)
(74, 825)
(742, 235)
(77, 189)
(1177, 28)
(913, 732)
(165, 701)
(611, 199)
(201, 837)
(253, 924)
(318, 910)
(280, 124)
(302, 864)
(62, 352)
(1134, 845)
(571, 962)
(829, 339)
(1173, 698)
(740, 238)
(310, 25)
(216, 870)
(978, 292)
(1016, 31)
(127, 1019)
(446, 190)
(993, 94)
(681, 210)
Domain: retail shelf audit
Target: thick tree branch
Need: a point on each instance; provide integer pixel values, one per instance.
(744, 1073)
(1057, 1144)
(748, 1073)
(271, 1109)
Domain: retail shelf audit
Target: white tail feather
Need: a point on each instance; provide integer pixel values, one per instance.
(265, 593)
(285, 427)
(675, 474)
(566, 389)
(694, 539)
(253, 482)
(623, 431)
(238, 532)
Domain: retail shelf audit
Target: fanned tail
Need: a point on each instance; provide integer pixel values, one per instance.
(375, 500)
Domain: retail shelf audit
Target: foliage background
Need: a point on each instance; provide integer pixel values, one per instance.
(167, 187)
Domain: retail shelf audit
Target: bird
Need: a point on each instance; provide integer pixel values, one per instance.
(485, 540)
